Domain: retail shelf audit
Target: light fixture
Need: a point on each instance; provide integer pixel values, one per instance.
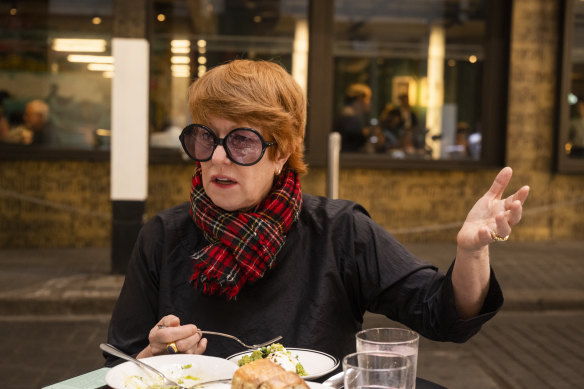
(180, 43)
(161, 17)
(100, 67)
(202, 43)
(102, 132)
(180, 46)
(472, 59)
(180, 68)
(96, 20)
(202, 60)
(180, 50)
(180, 59)
(90, 58)
(79, 45)
(13, 11)
(181, 71)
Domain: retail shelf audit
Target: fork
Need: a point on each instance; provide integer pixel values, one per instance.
(108, 348)
(234, 338)
(239, 341)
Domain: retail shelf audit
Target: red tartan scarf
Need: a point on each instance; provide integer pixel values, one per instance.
(242, 245)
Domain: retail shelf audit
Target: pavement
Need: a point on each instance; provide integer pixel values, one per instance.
(55, 306)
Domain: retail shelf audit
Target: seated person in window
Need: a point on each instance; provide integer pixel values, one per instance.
(34, 127)
(392, 125)
(353, 119)
(412, 140)
(576, 132)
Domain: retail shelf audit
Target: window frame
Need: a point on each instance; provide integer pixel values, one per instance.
(563, 163)
(494, 98)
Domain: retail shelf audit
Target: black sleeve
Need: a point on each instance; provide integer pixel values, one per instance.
(393, 282)
(136, 310)
(424, 301)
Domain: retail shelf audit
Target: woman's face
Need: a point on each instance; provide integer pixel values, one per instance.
(231, 186)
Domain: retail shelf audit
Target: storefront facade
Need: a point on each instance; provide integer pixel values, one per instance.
(490, 83)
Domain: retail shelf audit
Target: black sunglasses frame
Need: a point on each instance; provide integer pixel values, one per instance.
(221, 142)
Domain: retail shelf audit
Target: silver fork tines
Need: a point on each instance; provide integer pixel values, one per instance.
(239, 341)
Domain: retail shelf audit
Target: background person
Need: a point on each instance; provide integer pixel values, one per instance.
(353, 119)
(252, 256)
(33, 129)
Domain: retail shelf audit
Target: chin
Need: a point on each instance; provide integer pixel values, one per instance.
(228, 204)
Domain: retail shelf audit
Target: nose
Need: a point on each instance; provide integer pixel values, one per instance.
(220, 155)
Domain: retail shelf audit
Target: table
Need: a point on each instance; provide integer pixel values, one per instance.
(96, 380)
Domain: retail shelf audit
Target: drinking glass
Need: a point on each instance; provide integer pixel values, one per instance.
(395, 340)
(376, 370)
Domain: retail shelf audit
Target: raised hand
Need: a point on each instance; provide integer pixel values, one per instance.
(492, 217)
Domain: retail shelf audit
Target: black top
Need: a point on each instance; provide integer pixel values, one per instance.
(336, 264)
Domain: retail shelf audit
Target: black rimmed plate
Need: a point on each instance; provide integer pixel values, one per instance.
(316, 363)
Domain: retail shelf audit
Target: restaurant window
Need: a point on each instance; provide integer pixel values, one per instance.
(571, 120)
(55, 74)
(191, 37)
(410, 77)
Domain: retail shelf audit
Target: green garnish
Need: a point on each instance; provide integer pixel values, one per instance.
(263, 352)
(300, 370)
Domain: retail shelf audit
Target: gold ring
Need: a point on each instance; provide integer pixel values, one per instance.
(498, 238)
(171, 347)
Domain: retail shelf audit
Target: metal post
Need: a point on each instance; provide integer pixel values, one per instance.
(334, 149)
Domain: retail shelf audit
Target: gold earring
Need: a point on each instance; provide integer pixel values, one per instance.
(278, 172)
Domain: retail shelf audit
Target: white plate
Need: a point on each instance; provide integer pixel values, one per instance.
(316, 363)
(130, 376)
(316, 385)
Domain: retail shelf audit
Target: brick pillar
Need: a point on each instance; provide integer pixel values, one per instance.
(532, 102)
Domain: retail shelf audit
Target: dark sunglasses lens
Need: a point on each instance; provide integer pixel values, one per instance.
(199, 143)
(244, 146)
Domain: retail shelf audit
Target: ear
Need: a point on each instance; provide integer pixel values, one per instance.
(280, 161)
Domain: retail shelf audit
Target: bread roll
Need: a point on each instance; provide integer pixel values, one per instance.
(265, 374)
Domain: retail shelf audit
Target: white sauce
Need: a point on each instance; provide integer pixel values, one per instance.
(283, 359)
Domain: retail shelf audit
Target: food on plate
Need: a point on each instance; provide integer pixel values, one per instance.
(265, 374)
(181, 374)
(277, 354)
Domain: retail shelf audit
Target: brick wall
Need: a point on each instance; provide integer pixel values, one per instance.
(67, 204)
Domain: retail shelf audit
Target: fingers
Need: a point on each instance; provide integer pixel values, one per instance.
(503, 227)
(169, 321)
(514, 205)
(187, 338)
(520, 195)
(501, 181)
(194, 344)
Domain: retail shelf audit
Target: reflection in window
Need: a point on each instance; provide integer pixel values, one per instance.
(574, 146)
(54, 68)
(424, 67)
(190, 37)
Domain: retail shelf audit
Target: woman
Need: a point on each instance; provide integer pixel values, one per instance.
(252, 256)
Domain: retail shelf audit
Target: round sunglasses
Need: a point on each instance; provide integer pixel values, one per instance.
(243, 146)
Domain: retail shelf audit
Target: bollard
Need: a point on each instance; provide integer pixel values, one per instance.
(334, 149)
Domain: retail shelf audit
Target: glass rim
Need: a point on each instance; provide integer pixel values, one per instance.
(402, 357)
(414, 336)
